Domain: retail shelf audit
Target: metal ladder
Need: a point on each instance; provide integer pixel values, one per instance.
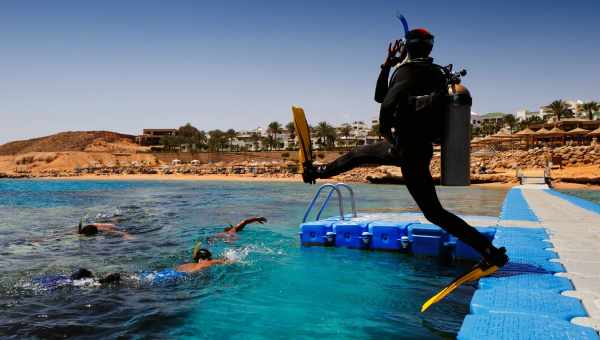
(332, 188)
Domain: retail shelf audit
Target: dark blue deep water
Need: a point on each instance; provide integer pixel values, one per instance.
(275, 289)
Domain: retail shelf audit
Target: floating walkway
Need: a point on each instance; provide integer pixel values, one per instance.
(550, 289)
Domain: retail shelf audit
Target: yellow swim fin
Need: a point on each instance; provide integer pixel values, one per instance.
(303, 133)
(476, 273)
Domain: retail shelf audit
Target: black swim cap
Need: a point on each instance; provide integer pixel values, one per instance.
(110, 278)
(199, 253)
(81, 273)
(88, 230)
(419, 42)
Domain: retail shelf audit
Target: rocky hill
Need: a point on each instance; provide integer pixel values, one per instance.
(70, 141)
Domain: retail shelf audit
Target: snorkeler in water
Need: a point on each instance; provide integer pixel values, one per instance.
(229, 233)
(81, 277)
(95, 228)
(202, 259)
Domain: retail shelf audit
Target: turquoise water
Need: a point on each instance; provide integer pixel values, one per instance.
(275, 289)
(590, 195)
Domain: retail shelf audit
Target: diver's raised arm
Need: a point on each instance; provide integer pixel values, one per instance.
(391, 60)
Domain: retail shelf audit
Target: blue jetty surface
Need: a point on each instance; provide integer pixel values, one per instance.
(523, 300)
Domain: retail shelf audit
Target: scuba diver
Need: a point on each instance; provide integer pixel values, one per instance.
(414, 98)
(230, 233)
(95, 228)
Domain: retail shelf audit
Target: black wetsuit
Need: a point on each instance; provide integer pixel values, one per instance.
(411, 145)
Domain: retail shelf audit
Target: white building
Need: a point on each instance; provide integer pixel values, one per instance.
(526, 114)
(475, 119)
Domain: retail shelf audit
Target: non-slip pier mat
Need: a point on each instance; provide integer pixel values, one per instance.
(523, 300)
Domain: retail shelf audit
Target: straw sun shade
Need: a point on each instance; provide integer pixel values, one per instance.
(556, 132)
(525, 132)
(595, 132)
(542, 131)
(578, 131)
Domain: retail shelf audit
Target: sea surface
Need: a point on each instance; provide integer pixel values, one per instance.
(274, 289)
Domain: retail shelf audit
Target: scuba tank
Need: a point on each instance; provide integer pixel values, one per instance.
(456, 137)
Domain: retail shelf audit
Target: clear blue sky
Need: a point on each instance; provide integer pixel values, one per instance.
(126, 65)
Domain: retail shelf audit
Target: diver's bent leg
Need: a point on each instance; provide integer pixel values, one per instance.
(377, 153)
(420, 185)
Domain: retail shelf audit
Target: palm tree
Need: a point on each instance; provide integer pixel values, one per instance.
(345, 131)
(558, 108)
(274, 129)
(511, 121)
(291, 127)
(216, 140)
(375, 130)
(230, 134)
(255, 139)
(202, 139)
(326, 134)
(590, 108)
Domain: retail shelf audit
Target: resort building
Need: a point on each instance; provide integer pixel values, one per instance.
(151, 137)
(523, 115)
(475, 119)
(493, 118)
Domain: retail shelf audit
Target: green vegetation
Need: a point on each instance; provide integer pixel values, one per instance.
(559, 109)
(326, 135)
(186, 134)
(590, 108)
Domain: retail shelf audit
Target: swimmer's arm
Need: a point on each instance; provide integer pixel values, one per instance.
(220, 262)
(247, 221)
(104, 226)
(123, 234)
(196, 267)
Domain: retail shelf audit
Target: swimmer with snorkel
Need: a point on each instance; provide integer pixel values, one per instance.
(95, 228)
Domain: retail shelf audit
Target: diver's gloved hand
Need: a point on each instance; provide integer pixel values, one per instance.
(309, 173)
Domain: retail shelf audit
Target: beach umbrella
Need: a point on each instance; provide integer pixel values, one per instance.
(556, 132)
(578, 131)
(543, 132)
(595, 132)
(502, 135)
(525, 132)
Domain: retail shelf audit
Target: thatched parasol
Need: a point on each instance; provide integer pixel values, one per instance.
(541, 133)
(556, 132)
(502, 135)
(525, 132)
(578, 131)
(595, 132)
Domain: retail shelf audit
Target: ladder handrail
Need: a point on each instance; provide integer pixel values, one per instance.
(352, 201)
(316, 196)
(325, 202)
